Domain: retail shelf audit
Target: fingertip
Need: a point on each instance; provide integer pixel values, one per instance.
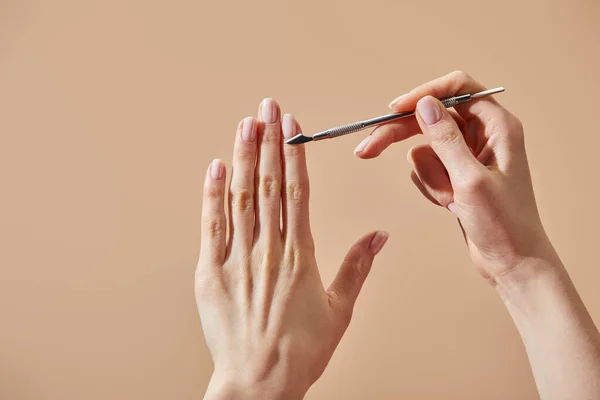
(378, 241)
(452, 208)
(297, 127)
(375, 145)
(288, 126)
(217, 170)
(397, 101)
(403, 103)
(248, 129)
(269, 111)
(362, 147)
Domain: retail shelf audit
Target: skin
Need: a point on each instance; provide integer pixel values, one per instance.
(270, 325)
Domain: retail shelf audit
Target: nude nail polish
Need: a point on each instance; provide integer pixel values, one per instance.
(378, 241)
(217, 170)
(249, 130)
(362, 145)
(269, 111)
(287, 126)
(396, 100)
(452, 208)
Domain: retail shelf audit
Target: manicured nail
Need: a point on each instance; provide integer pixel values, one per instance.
(378, 241)
(397, 100)
(452, 208)
(362, 145)
(217, 170)
(287, 126)
(249, 130)
(429, 110)
(269, 111)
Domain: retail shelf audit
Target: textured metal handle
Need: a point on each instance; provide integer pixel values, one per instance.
(452, 101)
(345, 129)
(449, 102)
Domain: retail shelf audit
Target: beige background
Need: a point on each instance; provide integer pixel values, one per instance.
(111, 110)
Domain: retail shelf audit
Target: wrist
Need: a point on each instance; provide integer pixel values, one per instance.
(525, 268)
(532, 279)
(229, 387)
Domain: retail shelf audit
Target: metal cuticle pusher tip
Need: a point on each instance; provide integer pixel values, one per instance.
(299, 139)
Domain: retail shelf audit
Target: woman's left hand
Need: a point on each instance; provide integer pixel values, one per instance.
(270, 325)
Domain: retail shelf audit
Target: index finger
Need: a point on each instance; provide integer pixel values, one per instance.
(453, 84)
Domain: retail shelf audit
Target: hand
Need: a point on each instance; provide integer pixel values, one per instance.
(476, 166)
(270, 325)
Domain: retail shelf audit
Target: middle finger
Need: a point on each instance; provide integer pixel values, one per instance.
(268, 172)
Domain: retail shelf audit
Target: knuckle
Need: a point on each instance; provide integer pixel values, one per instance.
(296, 191)
(267, 258)
(460, 76)
(300, 254)
(269, 186)
(271, 135)
(214, 227)
(242, 200)
(295, 257)
(447, 137)
(213, 192)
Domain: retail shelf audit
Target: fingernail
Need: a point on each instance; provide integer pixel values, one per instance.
(362, 145)
(452, 208)
(287, 126)
(249, 130)
(397, 100)
(217, 170)
(269, 111)
(378, 241)
(429, 110)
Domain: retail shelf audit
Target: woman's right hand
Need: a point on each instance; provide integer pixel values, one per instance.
(475, 165)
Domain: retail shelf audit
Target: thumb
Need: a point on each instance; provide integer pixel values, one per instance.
(354, 270)
(446, 139)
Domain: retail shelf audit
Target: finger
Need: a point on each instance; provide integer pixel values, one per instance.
(214, 228)
(354, 270)
(295, 198)
(385, 135)
(268, 171)
(241, 188)
(431, 175)
(446, 140)
(453, 84)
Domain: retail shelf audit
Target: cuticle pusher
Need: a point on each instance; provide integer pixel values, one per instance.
(360, 125)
